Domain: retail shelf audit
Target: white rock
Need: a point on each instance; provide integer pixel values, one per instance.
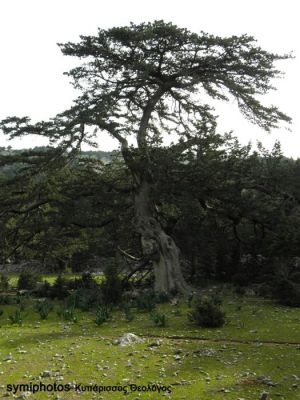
(8, 358)
(130, 338)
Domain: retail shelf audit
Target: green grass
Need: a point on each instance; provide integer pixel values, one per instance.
(13, 278)
(219, 364)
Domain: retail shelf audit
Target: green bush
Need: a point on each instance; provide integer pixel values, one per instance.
(287, 293)
(112, 286)
(68, 314)
(1, 312)
(7, 299)
(43, 290)
(43, 308)
(17, 317)
(102, 314)
(295, 277)
(86, 281)
(207, 313)
(28, 281)
(4, 282)
(59, 290)
(146, 302)
(85, 299)
(159, 319)
(129, 316)
(163, 297)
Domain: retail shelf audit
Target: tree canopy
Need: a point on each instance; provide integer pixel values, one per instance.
(140, 82)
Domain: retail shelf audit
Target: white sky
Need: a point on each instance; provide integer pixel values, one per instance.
(32, 66)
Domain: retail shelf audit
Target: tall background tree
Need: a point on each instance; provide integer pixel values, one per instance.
(140, 82)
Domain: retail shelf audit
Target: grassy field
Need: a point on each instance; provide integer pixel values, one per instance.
(13, 278)
(258, 350)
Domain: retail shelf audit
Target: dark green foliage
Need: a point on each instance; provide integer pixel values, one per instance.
(43, 308)
(190, 299)
(86, 281)
(146, 301)
(1, 312)
(28, 281)
(163, 297)
(129, 316)
(112, 286)
(102, 314)
(295, 277)
(7, 299)
(239, 291)
(85, 299)
(16, 317)
(43, 290)
(4, 282)
(59, 289)
(287, 293)
(22, 301)
(207, 313)
(159, 319)
(67, 313)
(218, 200)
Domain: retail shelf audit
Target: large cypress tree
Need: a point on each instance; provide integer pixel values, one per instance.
(143, 81)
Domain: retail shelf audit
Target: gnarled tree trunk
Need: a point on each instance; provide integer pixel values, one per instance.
(157, 245)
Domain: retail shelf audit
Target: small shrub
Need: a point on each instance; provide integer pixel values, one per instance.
(43, 308)
(4, 282)
(159, 319)
(68, 314)
(163, 297)
(102, 314)
(216, 299)
(207, 314)
(85, 299)
(265, 290)
(27, 281)
(146, 302)
(240, 291)
(43, 290)
(129, 316)
(17, 317)
(7, 299)
(241, 279)
(86, 281)
(112, 286)
(21, 300)
(295, 277)
(59, 290)
(287, 293)
(190, 299)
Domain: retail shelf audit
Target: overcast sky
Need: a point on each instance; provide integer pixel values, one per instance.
(32, 66)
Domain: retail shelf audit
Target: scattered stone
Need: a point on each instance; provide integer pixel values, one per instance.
(294, 386)
(265, 380)
(178, 351)
(154, 344)
(8, 358)
(24, 396)
(174, 302)
(46, 374)
(264, 396)
(130, 338)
